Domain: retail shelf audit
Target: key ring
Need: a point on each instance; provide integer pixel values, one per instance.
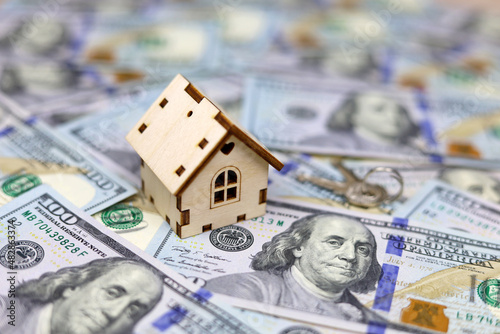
(394, 174)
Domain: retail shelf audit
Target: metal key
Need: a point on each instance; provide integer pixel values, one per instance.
(357, 191)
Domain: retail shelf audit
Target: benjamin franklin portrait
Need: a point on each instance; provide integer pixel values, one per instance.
(369, 121)
(29, 38)
(103, 296)
(313, 266)
(476, 182)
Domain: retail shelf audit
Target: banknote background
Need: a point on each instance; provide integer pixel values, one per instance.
(182, 305)
(203, 257)
(413, 86)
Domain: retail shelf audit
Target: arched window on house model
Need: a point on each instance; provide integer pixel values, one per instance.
(226, 185)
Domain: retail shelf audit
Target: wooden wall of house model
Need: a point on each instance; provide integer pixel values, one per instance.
(199, 169)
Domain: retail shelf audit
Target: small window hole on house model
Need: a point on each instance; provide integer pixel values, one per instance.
(180, 170)
(203, 143)
(163, 103)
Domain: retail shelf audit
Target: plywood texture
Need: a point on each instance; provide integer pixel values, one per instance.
(171, 137)
(197, 196)
(164, 201)
(181, 131)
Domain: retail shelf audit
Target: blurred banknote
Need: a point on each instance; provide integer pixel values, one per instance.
(480, 182)
(58, 38)
(111, 6)
(475, 136)
(37, 83)
(66, 273)
(118, 40)
(467, 73)
(248, 28)
(320, 42)
(320, 263)
(103, 135)
(92, 189)
(350, 119)
(143, 42)
(57, 113)
(369, 121)
(441, 204)
(461, 128)
(294, 180)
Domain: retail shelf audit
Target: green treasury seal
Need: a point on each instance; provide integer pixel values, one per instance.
(122, 216)
(489, 292)
(19, 184)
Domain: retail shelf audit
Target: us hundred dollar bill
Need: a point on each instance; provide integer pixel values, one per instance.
(351, 119)
(303, 175)
(441, 204)
(63, 272)
(357, 271)
(480, 182)
(144, 42)
(358, 120)
(93, 188)
(39, 84)
(20, 175)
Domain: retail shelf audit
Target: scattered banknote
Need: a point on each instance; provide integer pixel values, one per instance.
(37, 83)
(110, 6)
(411, 83)
(321, 43)
(248, 28)
(103, 135)
(57, 113)
(94, 188)
(473, 71)
(16, 165)
(354, 120)
(442, 205)
(302, 177)
(30, 174)
(480, 182)
(484, 184)
(475, 136)
(65, 272)
(301, 260)
(141, 42)
(104, 38)
(58, 38)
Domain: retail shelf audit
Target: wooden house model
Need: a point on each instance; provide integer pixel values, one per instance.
(200, 170)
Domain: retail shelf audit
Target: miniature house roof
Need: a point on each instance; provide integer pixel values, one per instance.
(181, 131)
